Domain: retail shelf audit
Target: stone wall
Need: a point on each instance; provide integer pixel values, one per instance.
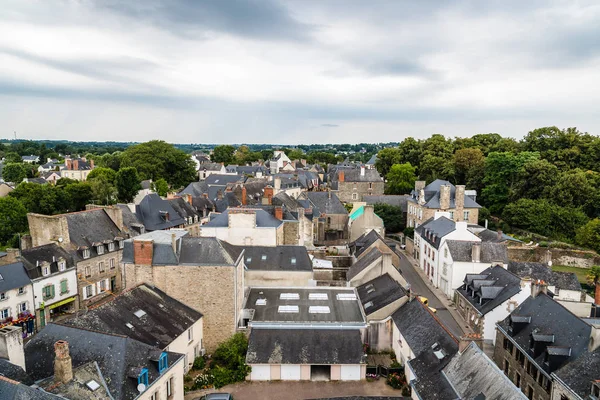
(346, 189)
(290, 232)
(572, 258)
(45, 229)
(98, 273)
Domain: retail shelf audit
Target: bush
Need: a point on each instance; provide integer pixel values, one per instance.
(229, 362)
(396, 380)
(409, 232)
(406, 391)
(203, 381)
(199, 363)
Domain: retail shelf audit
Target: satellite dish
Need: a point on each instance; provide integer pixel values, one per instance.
(141, 387)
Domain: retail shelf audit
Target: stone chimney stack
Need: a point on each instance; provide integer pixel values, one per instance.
(277, 183)
(68, 163)
(143, 252)
(594, 342)
(11, 345)
(538, 287)
(476, 252)
(419, 185)
(219, 194)
(244, 196)
(341, 176)
(116, 215)
(174, 243)
(63, 368)
(445, 197)
(459, 201)
(75, 164)
(279, 213)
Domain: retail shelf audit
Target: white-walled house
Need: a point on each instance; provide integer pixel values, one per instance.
(16, 296)
(244, 227)
(458, 258)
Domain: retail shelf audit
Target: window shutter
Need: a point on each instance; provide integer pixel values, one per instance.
(63, 286)
(52, 291)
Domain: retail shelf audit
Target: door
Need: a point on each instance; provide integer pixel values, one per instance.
(113, 284)
(290, 372)
(350, 372)
(260, 373)
(42, 317)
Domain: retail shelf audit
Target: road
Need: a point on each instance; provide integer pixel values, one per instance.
(420, 288)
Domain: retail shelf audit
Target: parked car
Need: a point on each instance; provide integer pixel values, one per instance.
(425, 301)
(216, 396)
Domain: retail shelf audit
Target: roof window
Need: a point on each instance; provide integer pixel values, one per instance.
(261, 302)
(370, 288)
(346, 296)
(139, 313)
(287, 309)
(143, 378)
(289, 296)
(248, 260)
(318, 309)
(293, 260)
(129, 325)
(92, 385)
(318, 296)
(263, 257)
(369, 304)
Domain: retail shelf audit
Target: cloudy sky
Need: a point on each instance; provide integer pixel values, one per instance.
(300, 71)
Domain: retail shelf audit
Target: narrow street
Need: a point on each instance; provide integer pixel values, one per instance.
(419, 287)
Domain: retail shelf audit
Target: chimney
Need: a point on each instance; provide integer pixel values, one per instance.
(459, 198)
(75, 164)
(422, 197)
(538, 287)
(11, 256)
(116, 215)
(11, 345)
(68, 163)
(362, 170)
(419, 185)
(476, 252)
(341, 176)
(219, 194)
(465, 341)
(143, 251)
(188, 199)
(244, 196)
(329, 194)
(445, 197)
(594, 342)
(26, 242)
(171, 195)
(279, 213)
(174, 242)
(277, 183)
(205, 195)
(63, 369)
(268, 196)
(499, 234)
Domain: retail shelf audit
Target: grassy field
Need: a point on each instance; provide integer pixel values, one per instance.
(581, 275)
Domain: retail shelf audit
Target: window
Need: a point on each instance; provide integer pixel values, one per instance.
(318, 296)
(518, 380)
(520, 358)
(88, 271)
(5, 313)
(318, 310)
(162, 362)
(370, 185)
(346, 296)
(3, 296)
(45, 271)
(354, 196)
(121, 242)
(446, 252)
(529, 392)
(466, 215)
(64, 288)
(103, 285)
(143, 377)
(190, 333)
(596, 390)
(101, 266)
(21, 290)
(111, 263)
(88, 291)
(86, 253)
(62, 265)
(100, 249)
(293, 260)
(48, 292)
(111, 246)
(248, 260)
(263, 257)
(433, 255)
(287, 309)
(154, 396)
(170, 387)
(261, 302)
(452, 215)
(22, 307)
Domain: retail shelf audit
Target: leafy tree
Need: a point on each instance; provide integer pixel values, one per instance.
(241, 155)
(79, 195)
(401, 179)
(410, 151)
(14, 172)
(108, 160)
(128, 184)
(161, 187)
(13, 218)
(593, 277)
(386, 158)
(468, 167)
(574, 188)
(223, 154)
(106, 174)
(434, 167)
(66, 181)
(157, 159)
(296, 155)
(229, 361)
(588, 235)
(13, 157)
(392, 216)
(535, 180)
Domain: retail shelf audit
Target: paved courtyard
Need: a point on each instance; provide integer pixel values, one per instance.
(302, 390)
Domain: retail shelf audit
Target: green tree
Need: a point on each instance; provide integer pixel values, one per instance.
(588, 235)
(401, 179)
(14, 172)
(241, 155)
(106, 174)
(79, 195)
(468, 167)
(386, 158)
(575, 188)
(392, 216)
(434, 167)
(13, 157)
(128, 184)
(535, 179)
(296, 155)
(13, 218)
(161, 187)
(223, 154)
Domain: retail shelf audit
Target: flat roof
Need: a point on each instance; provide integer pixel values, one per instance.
(305, 306)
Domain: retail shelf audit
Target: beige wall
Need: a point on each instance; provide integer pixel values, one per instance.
(336, 372)
(160, 386)
(277, 278)
(275, 372)
(376, 269)
(96, 276)
(184, 346)
(365, 223)
(305, 372)
(412, 219)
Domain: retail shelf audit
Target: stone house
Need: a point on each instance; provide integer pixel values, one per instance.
(94, 239)
(204, 273)
(277, 266)
(16, 298)
(443, 196)
(246, 227)
(329, 218)
(157, 214)
(363, 220)
(352, 185)
(372, 240)
(77, 168)
(184, 207)
(208, 168)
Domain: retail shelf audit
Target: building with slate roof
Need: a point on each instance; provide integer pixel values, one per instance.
(329, 216)
(14, 390)
(77, 168)
(305, 334)
(488, 297)
(203, 273)
(122, 364)
(147, 314)
(579, 380)
(363, 220)
(389, 199)
(245, 227)
(355, 183)
(186, 210)
(16, 297)
(207, 169)
(277, 266)
(158, 214)
(441, 195)
(541, 339)
(564, 285)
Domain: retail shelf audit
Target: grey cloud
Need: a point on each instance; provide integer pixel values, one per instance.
(329, 125)
(258, 19)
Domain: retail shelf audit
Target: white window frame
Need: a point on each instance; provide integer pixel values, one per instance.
(111, 263)
(88, 270)
(5, 311)
(85, 292)
(45, 270)
(86, 254)
(22, 307)
(466, 215)
(111, 246)
(101, 268)
(21, 290)
(190, 333)
(3, 296)
(100, 249)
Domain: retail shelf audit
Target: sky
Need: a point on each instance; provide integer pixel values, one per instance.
(296, 72)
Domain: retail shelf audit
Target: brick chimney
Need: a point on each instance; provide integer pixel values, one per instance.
(268, 195)
(465, 341)
(279, 213)
(538, 287)
(75, 164)
(63, 368)
(476, 252)
(341, 176)
(188, 198)
(11, 345)
(445, 197)
(244, 196)
(143, 251)
(68, 163)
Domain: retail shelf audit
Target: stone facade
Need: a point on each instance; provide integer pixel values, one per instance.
(103, 273)
(349, 192)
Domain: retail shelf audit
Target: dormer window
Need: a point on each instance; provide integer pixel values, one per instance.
(162, 362)
(596, 390)
(86, 253)
(100, 249)
(62, 265)
(143, 377)
(45, 270)
(121, 243)
(111, 246)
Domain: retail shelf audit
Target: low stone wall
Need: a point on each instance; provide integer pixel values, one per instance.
(572, 258)
(410, 245)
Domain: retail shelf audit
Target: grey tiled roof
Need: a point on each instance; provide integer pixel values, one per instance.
(389, 199)
(305, 346)
(354, 175)
(196, 189)
(489, 289)
(579, 374)
(461, 251)
(326, 203)
(379, 292)
(432, 195)
(223, 180)
(364, 241)
(372, 160)
(151, 209)
(182, 208)
(50, 253)
(373, 255)
(13, 276)
(439, 227)
(535, 271)
(166, 318)
(279, 258)
(92, 226)
(12, 390)
(14, 372)
(263, 220)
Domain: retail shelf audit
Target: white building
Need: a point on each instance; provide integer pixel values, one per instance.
(16, 296)
(244, 227)
(278, 161)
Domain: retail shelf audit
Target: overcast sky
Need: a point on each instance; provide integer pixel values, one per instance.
(302, 71)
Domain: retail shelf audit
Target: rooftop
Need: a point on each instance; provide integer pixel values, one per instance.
(535, 271)
(432, 195)
(326, 203)
(461, 251)
(279, 258)
(157, 213)
(489, 289)
(379, 292)
(433, 230)
(13, 276)
(34, 257)
(263, 218)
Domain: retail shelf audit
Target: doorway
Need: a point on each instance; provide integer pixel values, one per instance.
(320, 372)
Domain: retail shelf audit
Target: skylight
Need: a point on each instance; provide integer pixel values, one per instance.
(369, 304)
(263, 257)
(287, 309)
(248, 259)
(92, 385)
(139, 313)
(346, 296)
(318, 296)
(129, 325)
(289, 296)
(318, 309)
(293, 260)
(261, 302)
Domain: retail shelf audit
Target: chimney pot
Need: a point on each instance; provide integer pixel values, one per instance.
(63, 368)
(279, 213)
(476, 252)
(341, 176)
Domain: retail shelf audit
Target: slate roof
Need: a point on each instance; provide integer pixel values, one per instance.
(279, 258)
(326, 203)
(305, 346)
(432, 195)
(346, 312)
(579, 374)
(146, 184)
(50, 253)
(131, 223)
(461, 251)
(354, 175)
(166, 318)
(210, 166)
(92, 226)
(195, 189)
(284, 199)
(372, 160)
(439, 227)
(364, 241)
(183, 208)
(76, 388)
(379, 292)
(487, 235)
(472, 373)
(535, 271)
(389, 199)
(223, 180)
(14, 372)
(373, 255)
(151, 211)
(13, 390)
(13, 276)
(263, 220)
(543, 312)
(117, 356)
(489, 289)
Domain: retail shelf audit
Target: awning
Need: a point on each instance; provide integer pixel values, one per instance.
(62, 302)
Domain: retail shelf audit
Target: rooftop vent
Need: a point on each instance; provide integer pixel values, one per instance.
(346, 296)
(289, 296)
(318, 296)
(287, 309)
(92, 385)
(318, 309)
(139, 313)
